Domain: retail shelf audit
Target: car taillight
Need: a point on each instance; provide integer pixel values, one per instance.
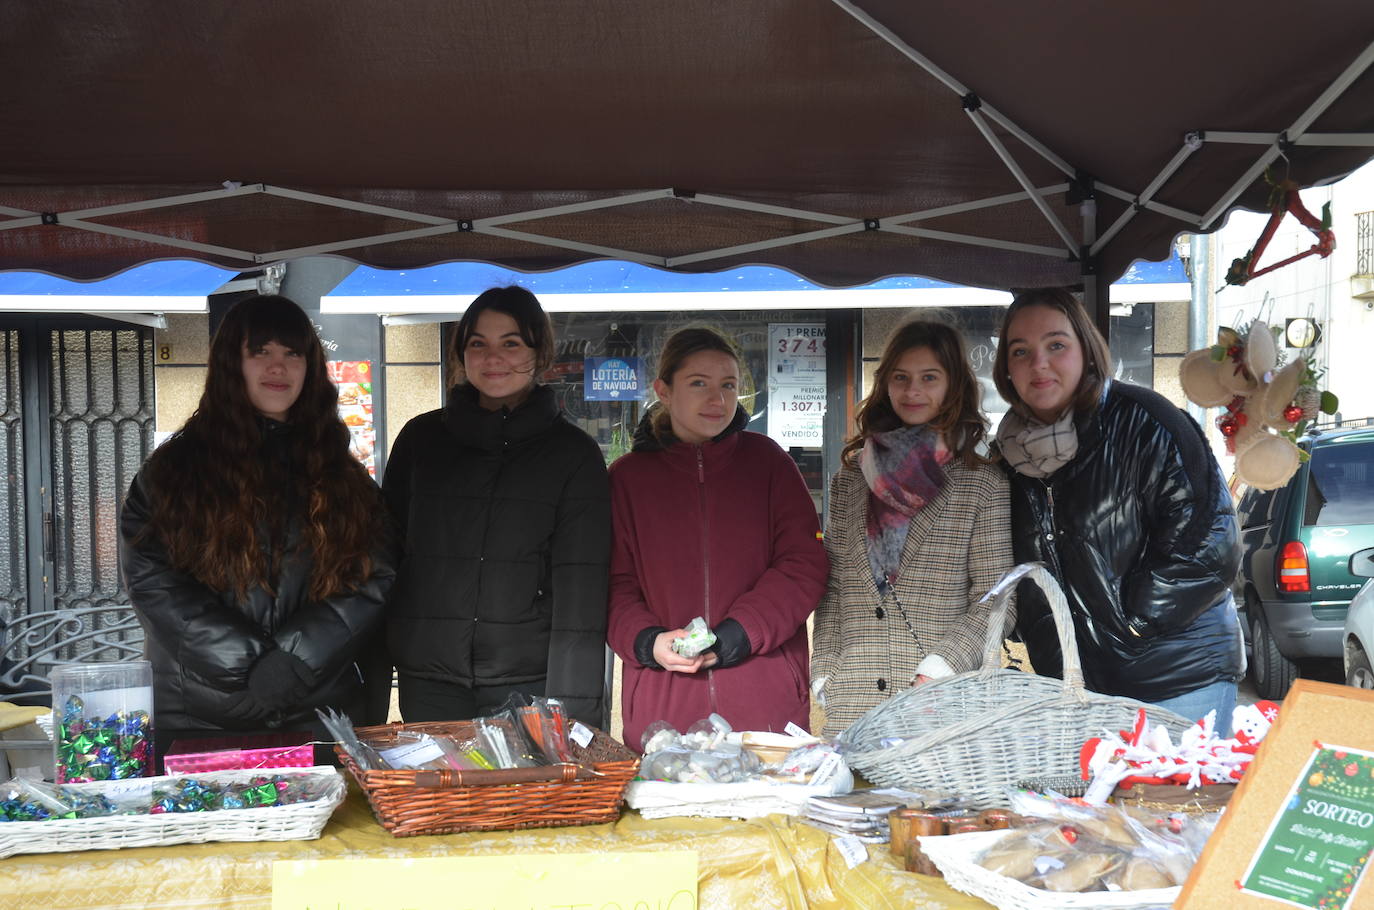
(1293, 575)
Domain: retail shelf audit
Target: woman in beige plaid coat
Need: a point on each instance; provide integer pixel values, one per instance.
(919, 528)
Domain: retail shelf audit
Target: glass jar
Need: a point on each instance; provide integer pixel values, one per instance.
(102, 720)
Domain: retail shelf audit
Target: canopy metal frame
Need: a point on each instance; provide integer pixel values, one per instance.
(982, 115)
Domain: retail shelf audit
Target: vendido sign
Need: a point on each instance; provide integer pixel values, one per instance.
(613, 379)
(1318, 845)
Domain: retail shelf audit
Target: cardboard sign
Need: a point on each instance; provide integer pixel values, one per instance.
(577, 881)
(1299, 830)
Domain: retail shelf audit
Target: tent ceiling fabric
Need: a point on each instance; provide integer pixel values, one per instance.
(445, 114)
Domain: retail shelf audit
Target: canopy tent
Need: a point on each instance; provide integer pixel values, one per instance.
(1000, 144)
(443, 291)
(148, 290)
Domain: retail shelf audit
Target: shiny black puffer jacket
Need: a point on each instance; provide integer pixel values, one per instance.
(1139, 530)
(506, 520)
(203, 643)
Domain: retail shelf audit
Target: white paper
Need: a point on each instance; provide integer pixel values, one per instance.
(581, 734)
(793, 730)
(852, 849)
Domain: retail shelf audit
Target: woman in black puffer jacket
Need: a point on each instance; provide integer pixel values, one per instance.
(253, 543)
(504, 506)
(1116, 491)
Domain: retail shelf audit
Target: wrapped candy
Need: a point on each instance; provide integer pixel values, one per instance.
(699, 637)
(102, 722)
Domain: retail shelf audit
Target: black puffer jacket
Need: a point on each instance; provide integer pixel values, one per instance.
(204, 643)
(507, 525)
(1139, 530)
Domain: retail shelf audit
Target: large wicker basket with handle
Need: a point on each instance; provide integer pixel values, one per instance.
(979, 733)
(440, 802)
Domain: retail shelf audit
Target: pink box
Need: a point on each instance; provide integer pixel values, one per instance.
(224, 754)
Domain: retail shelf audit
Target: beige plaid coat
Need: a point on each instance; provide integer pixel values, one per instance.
(958, 546)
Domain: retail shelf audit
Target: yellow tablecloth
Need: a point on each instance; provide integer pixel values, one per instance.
(773, 862)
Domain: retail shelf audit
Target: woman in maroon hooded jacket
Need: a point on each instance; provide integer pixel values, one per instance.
(711, 521)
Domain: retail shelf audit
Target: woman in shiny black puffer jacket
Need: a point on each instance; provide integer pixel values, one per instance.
(254, 547)
(1136, 525)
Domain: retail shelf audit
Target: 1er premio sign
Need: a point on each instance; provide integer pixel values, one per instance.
(796, 383)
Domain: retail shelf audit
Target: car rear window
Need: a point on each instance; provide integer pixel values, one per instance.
(1340, 486)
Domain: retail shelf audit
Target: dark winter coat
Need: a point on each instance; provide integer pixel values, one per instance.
(505, 517)
(1139, 530)
(726, 531)
(204, 644)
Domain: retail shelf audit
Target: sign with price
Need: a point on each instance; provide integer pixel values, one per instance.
(796, 383)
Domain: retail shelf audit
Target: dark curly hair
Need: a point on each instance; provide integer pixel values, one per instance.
(960, 419)
(208, 494)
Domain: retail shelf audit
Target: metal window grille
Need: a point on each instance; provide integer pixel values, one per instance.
(1364, 243)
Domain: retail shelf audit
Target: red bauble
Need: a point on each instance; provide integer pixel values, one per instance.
(1292, 413)
(1228, 426)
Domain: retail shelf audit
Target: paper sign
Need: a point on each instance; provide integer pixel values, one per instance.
(576, 881)
(852, 849)
(796, 383)
(354, 379)
(1319, 843)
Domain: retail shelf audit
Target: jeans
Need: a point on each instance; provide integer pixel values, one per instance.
(1193, 705)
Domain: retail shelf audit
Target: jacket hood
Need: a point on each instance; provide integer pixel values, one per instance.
(646, 441)
(492, 431)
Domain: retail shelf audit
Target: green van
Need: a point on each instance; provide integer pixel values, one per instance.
(1294, 585)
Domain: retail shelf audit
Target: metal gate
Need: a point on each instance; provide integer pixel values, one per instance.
(77, 424)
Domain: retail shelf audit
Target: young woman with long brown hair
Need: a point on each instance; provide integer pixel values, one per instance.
(917, 533)
(253, 545)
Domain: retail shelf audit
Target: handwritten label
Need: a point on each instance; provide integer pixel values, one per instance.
(852, 849)
(576, 881)
(582, 735)
(793, 730)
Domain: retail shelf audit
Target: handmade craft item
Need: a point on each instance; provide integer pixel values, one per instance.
(1267, 404)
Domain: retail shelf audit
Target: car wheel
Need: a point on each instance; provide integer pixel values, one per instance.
(1360, 675)
(1273, 672)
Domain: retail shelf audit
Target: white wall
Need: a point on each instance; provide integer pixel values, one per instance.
(1314, 287)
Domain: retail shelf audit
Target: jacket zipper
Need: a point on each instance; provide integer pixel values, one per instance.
(1053, 549)
(705, 568)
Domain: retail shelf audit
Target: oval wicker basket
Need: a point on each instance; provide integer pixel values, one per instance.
(978, 733)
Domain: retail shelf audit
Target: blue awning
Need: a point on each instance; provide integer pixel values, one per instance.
(169, 286)
(614, 286)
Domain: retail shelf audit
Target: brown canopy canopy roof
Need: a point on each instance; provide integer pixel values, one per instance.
(691, 135)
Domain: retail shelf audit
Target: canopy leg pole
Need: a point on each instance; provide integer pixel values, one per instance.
(1096, 296)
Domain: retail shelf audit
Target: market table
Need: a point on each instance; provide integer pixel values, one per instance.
(772, 862)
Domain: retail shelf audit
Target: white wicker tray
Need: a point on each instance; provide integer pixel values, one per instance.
(953, 855)
(298, 821)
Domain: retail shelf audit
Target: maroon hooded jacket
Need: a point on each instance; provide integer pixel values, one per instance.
(723, 530)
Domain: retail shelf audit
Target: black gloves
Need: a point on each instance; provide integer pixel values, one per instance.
(280, 679)
(732, 644)
(644, 646)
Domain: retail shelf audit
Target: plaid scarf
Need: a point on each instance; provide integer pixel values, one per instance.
(1036, 449)
(903, 470)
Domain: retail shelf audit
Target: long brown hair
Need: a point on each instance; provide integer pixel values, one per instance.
(208, 493)
(959, 420)
(680, 345)
(1097, 355)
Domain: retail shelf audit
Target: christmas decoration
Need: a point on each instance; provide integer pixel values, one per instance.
(1268, 404)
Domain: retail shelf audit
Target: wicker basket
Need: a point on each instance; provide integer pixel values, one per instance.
(441, 802)
(978, 733)
(954, 856)
(298, 821)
